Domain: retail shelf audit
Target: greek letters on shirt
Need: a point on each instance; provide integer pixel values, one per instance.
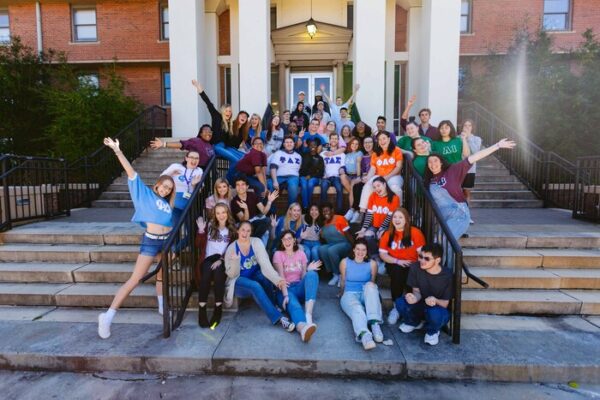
(386, 162)
(289, 160)
(249, 262)
(333, 160)
(398, 245)
(163, 206)
(375, 209)
(441, 182)
(447, 150)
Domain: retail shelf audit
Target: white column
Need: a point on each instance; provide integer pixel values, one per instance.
(415, 75)
(235, 45)
(369, 57)
(211, 69)
(390, 49)
(441, 48)
(186, 42)
(254, 55)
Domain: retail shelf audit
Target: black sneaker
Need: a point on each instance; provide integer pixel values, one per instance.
(215, 320)
(202, 317)
(286, 324)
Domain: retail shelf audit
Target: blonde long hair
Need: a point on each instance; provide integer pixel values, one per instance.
(226, 124)
(220, 181)
(288, 218)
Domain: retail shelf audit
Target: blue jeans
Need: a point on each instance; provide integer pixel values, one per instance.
(311, 249)
(261, 290)
(228, 153)
(299, 293)
(337, 183)
(290, 182)
(456, 215)
(332, 254)
(308, 187)
(362, 307)
(233, 174)
(412, 314)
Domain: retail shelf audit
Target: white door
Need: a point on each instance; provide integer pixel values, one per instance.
(309, 83)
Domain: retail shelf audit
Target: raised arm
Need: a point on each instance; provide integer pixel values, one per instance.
(325, 96)
(409, 105)
(502, 144)
(114, 145)
(351, 99)
(211, 107)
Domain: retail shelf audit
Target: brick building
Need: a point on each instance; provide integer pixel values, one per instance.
(210, 40)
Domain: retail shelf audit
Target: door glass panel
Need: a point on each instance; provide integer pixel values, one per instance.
(299, 84)
(323, 80)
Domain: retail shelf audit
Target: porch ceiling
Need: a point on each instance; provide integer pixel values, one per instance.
(292, 43)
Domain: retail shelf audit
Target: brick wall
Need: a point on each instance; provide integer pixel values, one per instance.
(224, 34)
(401, 29)
(22, 23)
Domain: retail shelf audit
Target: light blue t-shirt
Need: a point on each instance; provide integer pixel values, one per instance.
(357, 274)
(149, 207)
(351, 162)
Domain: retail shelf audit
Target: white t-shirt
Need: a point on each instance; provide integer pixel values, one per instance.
(218, 245)
(182, 176)
(333, 164)
(287, 164)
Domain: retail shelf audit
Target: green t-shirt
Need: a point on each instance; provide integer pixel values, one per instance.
(420, 162)
(405, 142)
(450, 150)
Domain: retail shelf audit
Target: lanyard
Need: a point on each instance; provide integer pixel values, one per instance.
(188, 181)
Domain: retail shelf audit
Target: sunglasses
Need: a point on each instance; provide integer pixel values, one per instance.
(426, 258)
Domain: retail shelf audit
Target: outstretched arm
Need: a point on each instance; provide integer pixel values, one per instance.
(157, 144)
(409, 105)
(502, 144)
(114, 145)
(325, 96)
(211, 108)
(351, 99)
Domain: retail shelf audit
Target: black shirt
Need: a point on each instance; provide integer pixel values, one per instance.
(438, 286)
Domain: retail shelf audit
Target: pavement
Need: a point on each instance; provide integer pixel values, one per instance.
(108, 386)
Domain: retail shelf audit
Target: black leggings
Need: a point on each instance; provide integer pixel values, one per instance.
(356, 192)
(210, 275)
(398, 276)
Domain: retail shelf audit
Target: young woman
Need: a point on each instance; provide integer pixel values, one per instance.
(361, 131)
(336, 235)
(330, 128)
(235, 142)
(300, 117)
(346, 135)
(273, 136)
(250, 274)
(444, 181)
(255, 129)
(454, 149)
(310, 234)
(200, 144)
(382, 204)
(399, 249)
(153, 211)
(220, 232)
(292, 221)
(421, 150)
(358, 183)
(474, 143)
(360, 295)
(302, 284)
(221, 195)
(186, 176)
(353, 154)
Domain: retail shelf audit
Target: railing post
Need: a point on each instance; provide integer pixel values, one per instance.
(67, 194)
(457, 297)
(6, 194)
(576, 188)
(88, 197)
(545, 189)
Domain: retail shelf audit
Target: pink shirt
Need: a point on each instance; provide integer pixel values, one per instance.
(292, 265)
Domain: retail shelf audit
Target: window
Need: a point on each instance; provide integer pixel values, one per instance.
(164, 23)
(166, 88)
(557, 15)
(89, 79)
(465, 16)
(84, 25)
(4, 27)
(350, 16)
(273, 18)
(225, 84)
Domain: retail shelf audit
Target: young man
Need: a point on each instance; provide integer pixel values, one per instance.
(311, 172)
(252, 167)
(339, 102)
(246, 206)
(431, 293)
(200, 144)
(312, 135)
(334, 167)
(285, 170)
(380, 124)
(302, 98)
(343, 119)
(425, 129)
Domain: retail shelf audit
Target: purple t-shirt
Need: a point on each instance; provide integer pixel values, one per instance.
(253, 158)
(365, 164)
(452, 179)
(204, 149)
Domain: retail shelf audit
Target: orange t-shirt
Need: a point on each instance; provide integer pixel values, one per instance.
(385, 163)
(397, 249)
(340, 223)
(381, 208)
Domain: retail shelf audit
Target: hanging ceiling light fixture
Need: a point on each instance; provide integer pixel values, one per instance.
(311, 26)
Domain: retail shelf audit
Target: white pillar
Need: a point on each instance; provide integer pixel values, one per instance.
(186, 42)
(254, 54)
(369, 57)
(390, 49)
(209, 60)
(415, 68)
(441, 49)
(235, 70)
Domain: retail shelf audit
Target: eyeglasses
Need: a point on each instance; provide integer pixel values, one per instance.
(422, 257)
(193, 158)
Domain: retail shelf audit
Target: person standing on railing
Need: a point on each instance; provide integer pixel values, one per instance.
(398, 248)
(474, 143)
(360, 295)
(200, 144)
(153, 211)
(216, 236)
(427, 305)
(186, 176)
(444, 182)
(425, 128)
(453, 148)
(251, 274)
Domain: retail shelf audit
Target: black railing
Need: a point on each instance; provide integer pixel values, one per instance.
(426, 215)
(587, 189)
(32, 188)
(549, 176)
(90, 175)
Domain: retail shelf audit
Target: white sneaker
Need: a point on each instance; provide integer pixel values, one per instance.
(367, 341)
(405, 328)
(160, 310)
(377, 334)
(356, 218)
(334, 281)
(349, 215)
(471, 222)
(307, 332)
(393, 317)
(432, 339)
(103, 326)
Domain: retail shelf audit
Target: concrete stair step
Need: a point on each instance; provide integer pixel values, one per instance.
(532, 302)
(37, 272)
(506, 203)
(68, 253)
(499, 185)
(492, 172)
(532, 258)
(112, 203)
(122, 233)
(496, 178)
(528, 239)
(114, 195)
(502, 195)
(518, 278)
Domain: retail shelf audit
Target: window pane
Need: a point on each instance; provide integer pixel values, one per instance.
(85, 17)
(465, 7)
(299, 84)
(323, 81)
(85, 33)
(4, 35)
(4, 19)
(464, 24)
(168, 96)
(556, 6)
(555, 22)
(165, 31)
(165, 14)
(167, 80)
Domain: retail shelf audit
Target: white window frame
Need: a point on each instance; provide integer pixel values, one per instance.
(568, 19)
(164, 23)
(310, 96)
(74, 10)
(5, 11)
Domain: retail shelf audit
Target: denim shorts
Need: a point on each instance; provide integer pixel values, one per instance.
(151, 247)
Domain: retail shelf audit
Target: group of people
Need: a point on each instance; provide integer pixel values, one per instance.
(251, 249)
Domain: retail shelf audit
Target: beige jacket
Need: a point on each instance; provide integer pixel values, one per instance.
(232, 267)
